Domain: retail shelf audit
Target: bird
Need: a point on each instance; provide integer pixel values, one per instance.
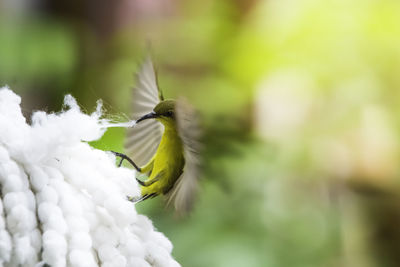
(164, 143)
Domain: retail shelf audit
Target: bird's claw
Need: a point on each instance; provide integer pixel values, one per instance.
(132, 199)
(140, 182)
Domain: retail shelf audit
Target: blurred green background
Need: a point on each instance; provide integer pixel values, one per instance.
(300, 106)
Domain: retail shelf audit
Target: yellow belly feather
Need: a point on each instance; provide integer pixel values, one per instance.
(166, 165)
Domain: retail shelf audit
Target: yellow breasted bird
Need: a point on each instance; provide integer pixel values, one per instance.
(164, 142)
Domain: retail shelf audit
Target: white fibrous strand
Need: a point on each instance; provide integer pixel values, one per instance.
(64, 203)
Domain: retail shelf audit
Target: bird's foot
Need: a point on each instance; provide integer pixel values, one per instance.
(140, 182)
(139, 199)
(133, 199)
(125, 157)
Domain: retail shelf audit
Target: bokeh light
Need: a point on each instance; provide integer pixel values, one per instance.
(300, 109)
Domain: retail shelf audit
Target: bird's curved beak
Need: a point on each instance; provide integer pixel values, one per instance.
(150, 115)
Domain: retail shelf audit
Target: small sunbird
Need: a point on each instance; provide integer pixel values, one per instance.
(164, 142)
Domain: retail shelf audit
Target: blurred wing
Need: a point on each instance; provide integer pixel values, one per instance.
(184, 191)
(142, 140)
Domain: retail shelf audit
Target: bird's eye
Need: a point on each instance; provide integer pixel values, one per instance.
(170, 114)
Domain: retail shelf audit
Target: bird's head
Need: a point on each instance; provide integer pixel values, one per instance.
(164, 112)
